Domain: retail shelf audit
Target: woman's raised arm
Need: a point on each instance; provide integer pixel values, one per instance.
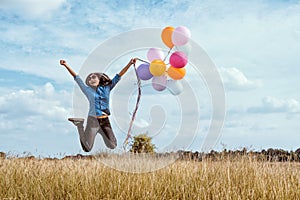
(124, 70)
(64, 63)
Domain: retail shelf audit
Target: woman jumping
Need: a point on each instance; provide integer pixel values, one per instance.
(97, 89)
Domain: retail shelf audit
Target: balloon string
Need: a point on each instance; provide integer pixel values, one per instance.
(136, 106)
(142, 60)
(168, 53)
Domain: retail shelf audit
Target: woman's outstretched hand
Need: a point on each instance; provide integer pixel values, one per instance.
(133, 61)
(63, 62)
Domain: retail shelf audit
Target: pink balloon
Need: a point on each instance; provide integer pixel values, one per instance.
(181, 36)
(155, 54)
(178, 59)
(159, 83)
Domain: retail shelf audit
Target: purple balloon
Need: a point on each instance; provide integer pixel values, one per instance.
(143, 72)
(159, 83)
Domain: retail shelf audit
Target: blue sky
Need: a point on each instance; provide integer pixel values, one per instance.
(255, 46)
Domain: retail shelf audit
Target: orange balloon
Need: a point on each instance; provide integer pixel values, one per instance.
(157, 67)
(176, 73)
(166, 36)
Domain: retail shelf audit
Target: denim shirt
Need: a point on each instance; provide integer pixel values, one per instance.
(99, 98)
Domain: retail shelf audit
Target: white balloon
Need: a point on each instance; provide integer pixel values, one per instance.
(175, 87)
(184, 48)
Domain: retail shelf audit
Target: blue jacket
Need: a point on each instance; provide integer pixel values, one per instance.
(99, 98)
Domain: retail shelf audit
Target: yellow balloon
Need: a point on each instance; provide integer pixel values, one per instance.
(157, 67)
(176, 73)
(166, 36)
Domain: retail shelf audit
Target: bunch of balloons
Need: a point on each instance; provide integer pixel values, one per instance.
(159, 70)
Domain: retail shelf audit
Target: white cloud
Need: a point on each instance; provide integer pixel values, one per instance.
(41, 101)
(236, 80)
(32, 8)
(274, 105)
(35, 120)
(39, 135)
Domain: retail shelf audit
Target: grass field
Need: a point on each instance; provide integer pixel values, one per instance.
(243, 178)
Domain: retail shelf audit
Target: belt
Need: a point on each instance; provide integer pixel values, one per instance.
(102, 116)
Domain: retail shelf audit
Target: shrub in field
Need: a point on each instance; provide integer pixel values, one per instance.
(142, 144)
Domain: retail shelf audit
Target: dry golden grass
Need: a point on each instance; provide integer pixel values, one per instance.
(243, 178)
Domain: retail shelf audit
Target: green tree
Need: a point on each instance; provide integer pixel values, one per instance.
(142, 144)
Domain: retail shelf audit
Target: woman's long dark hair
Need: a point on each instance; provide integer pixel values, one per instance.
(103, 79)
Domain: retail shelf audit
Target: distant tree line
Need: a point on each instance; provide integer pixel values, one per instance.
(271, 155)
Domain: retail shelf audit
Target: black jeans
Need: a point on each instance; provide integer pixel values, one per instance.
(94, 126)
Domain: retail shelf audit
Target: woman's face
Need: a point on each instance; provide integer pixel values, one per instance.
(93, 80)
